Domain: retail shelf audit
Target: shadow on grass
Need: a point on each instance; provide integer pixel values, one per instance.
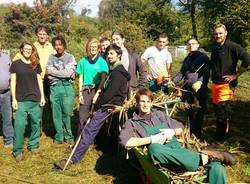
(113, 160)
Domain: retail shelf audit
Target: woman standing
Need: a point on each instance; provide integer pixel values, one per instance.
(92, 70)
(27, 97)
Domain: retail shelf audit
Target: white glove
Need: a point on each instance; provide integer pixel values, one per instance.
(197, 85)
(171, 84)
(168, 132)
(159, 138)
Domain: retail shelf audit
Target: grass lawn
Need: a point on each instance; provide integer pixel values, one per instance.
(107, 166)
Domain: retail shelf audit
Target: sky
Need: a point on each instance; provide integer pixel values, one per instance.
(91, 4)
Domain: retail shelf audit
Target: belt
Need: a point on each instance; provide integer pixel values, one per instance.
(4, 91)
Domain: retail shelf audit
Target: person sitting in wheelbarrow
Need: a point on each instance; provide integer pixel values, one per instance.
(157, 131)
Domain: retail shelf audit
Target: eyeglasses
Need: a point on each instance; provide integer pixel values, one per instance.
(27, 49)
(192, 44)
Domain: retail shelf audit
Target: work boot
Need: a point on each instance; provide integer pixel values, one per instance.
(223, 156)
(69, 148)
(61, 163)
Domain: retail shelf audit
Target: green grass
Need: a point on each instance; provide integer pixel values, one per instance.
(108, 166)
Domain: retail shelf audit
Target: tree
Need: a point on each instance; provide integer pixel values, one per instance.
(153, 16)
(21, 20)
(85, 11)
(191, 7)
(235, 14)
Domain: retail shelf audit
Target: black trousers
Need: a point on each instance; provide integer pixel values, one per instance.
(223, 119)
(197, 107)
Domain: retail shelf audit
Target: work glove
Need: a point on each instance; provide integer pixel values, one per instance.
(159, 138)
(196, 86)
(191, 78)
(170, 84)
(169, 133)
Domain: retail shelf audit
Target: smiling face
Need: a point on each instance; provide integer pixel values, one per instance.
(59, 47)
(42, 37)
(220, 35)
(104, 45)
(26, 51)
(113, 57)
(93, 49)
(118, 40)
(144, 105)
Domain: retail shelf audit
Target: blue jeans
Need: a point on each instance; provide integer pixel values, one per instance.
(5, 110)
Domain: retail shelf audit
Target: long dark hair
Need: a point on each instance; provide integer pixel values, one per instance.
(34, 57)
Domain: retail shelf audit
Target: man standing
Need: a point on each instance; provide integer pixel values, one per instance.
(131, 62)
(158, 132)
(5, 103)
(224, 58)
(159, 61)
(195, 72)
(61, 67)
(43, 47)
(114, 93)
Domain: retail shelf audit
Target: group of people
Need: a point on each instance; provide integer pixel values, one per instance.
(107, 76)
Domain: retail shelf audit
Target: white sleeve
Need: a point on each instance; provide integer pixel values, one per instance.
(145, 55)
(169, 57)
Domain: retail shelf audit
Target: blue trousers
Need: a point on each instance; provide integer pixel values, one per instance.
(89, 133)
(5, 110)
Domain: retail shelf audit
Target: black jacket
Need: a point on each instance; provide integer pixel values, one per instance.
(225, 58)
(115, 87)
(194, 61)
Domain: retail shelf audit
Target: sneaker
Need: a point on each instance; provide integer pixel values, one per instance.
(223, 156)
(19, 157)
(8, 146)
(61, 164)
(69, 148)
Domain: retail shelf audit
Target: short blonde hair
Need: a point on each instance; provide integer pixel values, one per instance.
(89, 42)
(220, 25)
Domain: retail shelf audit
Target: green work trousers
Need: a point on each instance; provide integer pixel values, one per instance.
(25, 109)
(62, 98)
(216, 173)
(173, 154)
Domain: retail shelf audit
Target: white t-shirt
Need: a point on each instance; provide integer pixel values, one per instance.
(157, 60)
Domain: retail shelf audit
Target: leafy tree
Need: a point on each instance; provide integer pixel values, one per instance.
(235, 14)
(153, 17)
(191, 7)
(22, 19)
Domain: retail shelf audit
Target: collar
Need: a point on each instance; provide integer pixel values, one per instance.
(47, 43)
(136, 116)
(115, 65)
